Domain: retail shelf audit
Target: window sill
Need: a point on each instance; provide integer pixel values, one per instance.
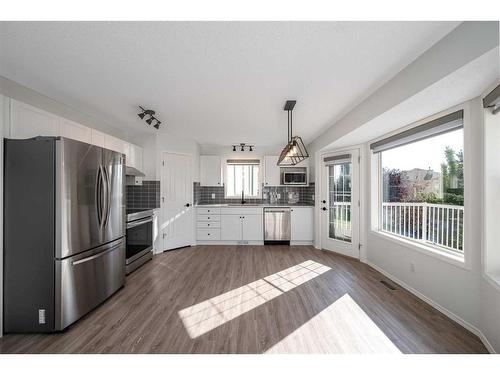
(455, 260)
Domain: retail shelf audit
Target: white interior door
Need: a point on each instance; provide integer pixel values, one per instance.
(176, 225)
(340, 202)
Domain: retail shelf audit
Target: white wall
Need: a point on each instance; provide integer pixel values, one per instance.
(3, 125)
(453, 287)
(491, 192)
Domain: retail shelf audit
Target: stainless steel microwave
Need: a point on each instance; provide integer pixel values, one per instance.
(294, 177)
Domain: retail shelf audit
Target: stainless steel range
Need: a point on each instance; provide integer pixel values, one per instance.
(139, 238)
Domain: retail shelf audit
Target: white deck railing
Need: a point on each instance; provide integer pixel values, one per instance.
(439, 224)
(340, 221)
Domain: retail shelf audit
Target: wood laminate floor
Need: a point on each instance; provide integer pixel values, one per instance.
(255, 299)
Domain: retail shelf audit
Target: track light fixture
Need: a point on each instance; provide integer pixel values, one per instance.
(242, 147)
(150, 113)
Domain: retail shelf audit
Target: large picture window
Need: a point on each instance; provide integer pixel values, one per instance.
(422, 185)
(242, 176)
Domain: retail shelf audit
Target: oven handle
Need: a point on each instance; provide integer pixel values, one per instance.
(139, 222)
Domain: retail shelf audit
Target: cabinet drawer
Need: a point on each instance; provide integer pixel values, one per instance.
(208, 234)
(208, 210)
(240, 210)
(209, 217)
(208, 224)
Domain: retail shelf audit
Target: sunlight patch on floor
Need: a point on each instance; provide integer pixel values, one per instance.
(343, 327)
(207, 315)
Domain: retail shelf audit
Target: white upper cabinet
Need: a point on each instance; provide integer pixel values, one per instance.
(302, 227)
(97, 138)
(73, 130)
(134, 155)
(210, 170)
(115, 144)
(272, 171)
(27, 121)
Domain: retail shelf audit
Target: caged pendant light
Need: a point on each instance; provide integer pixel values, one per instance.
(295, 151)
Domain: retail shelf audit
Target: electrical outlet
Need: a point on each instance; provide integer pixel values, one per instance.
(41, 316)
(278, 195)
(412, 267)
(213, 195)
(264, 196)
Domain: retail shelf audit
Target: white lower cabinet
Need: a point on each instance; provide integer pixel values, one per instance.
(245, 225)
(302, 227)
(252, 227)
(230, 225)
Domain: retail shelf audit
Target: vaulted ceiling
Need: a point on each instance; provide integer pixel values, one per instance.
(217, 82)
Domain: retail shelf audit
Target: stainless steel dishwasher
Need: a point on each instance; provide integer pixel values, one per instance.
(277, 222)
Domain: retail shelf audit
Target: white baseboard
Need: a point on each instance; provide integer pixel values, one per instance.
(437, 306)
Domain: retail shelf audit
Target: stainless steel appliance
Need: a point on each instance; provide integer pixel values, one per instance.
(277, 222)
(139, 238)
(64, 222)
(294, 176)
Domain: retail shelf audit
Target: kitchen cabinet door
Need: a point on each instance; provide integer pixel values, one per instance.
(134, 156)
(272, 171)
(114, 144)
(210, 170)
(253, 228)
(302, 228)
(73, 130)
(230, 227)
(97, 138)
(27, 121)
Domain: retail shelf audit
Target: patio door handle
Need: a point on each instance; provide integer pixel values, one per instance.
(323, 208)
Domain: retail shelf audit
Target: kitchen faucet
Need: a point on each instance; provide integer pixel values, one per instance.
(243, 197)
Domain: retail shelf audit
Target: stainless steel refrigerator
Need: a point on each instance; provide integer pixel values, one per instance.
(64, 231)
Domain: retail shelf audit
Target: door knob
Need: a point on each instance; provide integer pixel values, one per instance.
(187, 205)
(323, 208)
(323, 201)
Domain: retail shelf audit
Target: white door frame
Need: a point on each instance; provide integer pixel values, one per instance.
(357, 169)
(162, 205)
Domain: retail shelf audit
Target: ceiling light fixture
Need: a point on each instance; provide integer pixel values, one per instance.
(150, 113)
(242, 147)
(295, 151)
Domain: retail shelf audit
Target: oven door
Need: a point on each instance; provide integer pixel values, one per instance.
(139, 238)
(294, 178)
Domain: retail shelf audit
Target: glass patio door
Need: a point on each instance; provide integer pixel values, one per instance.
(340, 203)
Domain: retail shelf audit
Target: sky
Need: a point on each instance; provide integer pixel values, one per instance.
(423, 154)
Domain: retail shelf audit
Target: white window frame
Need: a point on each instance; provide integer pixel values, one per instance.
(259, 182)
(462, 261)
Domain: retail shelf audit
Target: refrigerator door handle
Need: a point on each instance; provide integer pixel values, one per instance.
(95, 256)
(98, 196)
(107, 197)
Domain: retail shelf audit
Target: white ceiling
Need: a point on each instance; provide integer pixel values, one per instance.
(217, 82)
(464, 84)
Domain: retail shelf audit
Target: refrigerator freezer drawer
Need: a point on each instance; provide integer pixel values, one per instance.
(85, 280)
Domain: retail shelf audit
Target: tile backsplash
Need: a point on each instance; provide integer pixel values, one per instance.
(146, 195)
(298, 195)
